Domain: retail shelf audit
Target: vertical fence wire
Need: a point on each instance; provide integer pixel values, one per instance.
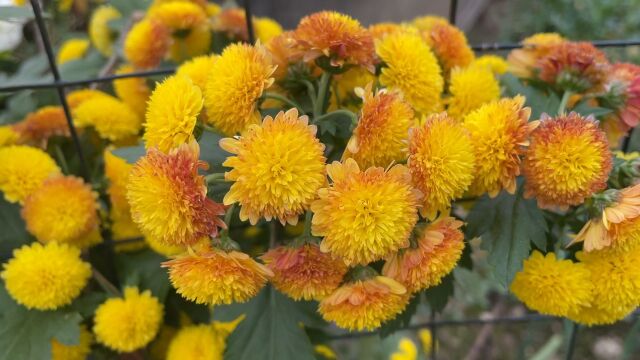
(453, 10)
(249, 19)
(44, 35)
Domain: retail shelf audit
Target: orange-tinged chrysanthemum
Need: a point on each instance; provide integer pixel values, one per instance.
(282, 52)
(552, 286)
(568, 159)
(523, 61)
(626, 207)
(498, 65)
(39, 126)
(232, 22)
(624, 82)
(439, 247)
(172, 112)
(79, 351)
(575, 66)
(197, 69)
(113, 119)
(100, 33)
(449, 45)
(277, 169)
(236, 81)
(364, 304)
(45, 277)
(365, 215)
(469, 89)
(425, 23)
(499, 132)
(212, 276)
(380, 138)
(64, 209)
(133, 91)
(380, 30)
(77, 97)
(411, 67)
(128, 323)
(147, 43)
(441, 162)
(178, 15)
(23, 171)
(168, 198)
(337, 36)
(304, 272)
(72, 49)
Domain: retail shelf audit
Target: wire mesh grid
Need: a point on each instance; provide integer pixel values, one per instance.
(434, 323)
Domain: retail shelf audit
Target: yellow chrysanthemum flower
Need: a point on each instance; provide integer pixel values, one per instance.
(567, 161)
(365, 215)
(204, 342)
(426, 340)
(337, 36)
(113, 119)
(237, 80)
(45, 277)
(552, 286)
(599, 315)
(470, 88)
(450, 46)
(212, 276)
(133, 91)
(495, 63)
(100, 34)
(522, 61)
(407, 350)
(411, 67)
(173, 110)
(8, 136)
(197, 69)
(425, 23)
(60, 351)
(77, 97)
(499, 132)
(64, 209)
(345, 85)
(304, 272)
(163, 249)
(278, 168)
(168, 197)
(23, 171)
(147, 43)
(441, 162)
(364, 304)
(129, 323)
(212, 9)
(197, 42)
(380, 138)
(439, 247)
(42, 124)
(380, 30)
(266, 29)
(72, 49)
(178, 15)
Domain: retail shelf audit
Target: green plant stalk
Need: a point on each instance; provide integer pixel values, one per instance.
(214, 178)
(323, 89)
(104, 283)
(307, 224)
(352, 116)
(284, 100)
(61, 159)
(563, 102)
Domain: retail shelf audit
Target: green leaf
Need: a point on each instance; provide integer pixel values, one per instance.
(85, 68)
(143, 269)
(401, 321)
(21, 104)
(270, 331)
(539, 101)
(438, 296)
(507, 225)
(631, 345)
(338, 124)
(126, 7)
(87, 303)
(130, 153)
(13, 233)
(26, 334)
(13, 13)
(585, 109)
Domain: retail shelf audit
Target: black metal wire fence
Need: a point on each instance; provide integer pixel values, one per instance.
(434, 324)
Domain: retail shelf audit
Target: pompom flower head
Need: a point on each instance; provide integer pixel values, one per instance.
(411, 67)
(39, 126)
(8, 135)
(449, 45)
(203, 341)
(304, 272)
(168, 198)
(470, 88)
(172, 113)
(64, 209)
(133, 91)
(277, 169)
(45, 277)
(212, 276)
(237, 80)
(147, 43)
(197, 69)
(72, 49)
(574, 66)
(552, 286)
(128, 323)
(380, 138)
(439, 247)
(365, 215)
(23, 170)
(178, 15)
(100, 33)
(364, 304)
(441, 162)
(337, 36)
(113, 119)
(522, 61)
(567, 161)
(80, 351)
(499, 132)
(495, 63)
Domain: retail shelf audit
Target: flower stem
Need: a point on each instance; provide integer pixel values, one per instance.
(104, 283)
(61, 159)
(311, 91)
(563, 102)
(307, 224)
(352, 116)
(214, 178)
(323, 89)
(284, 100)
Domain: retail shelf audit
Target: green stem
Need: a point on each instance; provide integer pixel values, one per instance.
(229, 214)
(307, 224)
(323, 89)
(284, 100)
(311, 91)
(61, 158)
(105, 284)
(273, 235)
(563, 103)
(352, 116)
(215, 177)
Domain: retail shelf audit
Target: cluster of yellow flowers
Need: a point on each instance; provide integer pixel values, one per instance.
(428, 126)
